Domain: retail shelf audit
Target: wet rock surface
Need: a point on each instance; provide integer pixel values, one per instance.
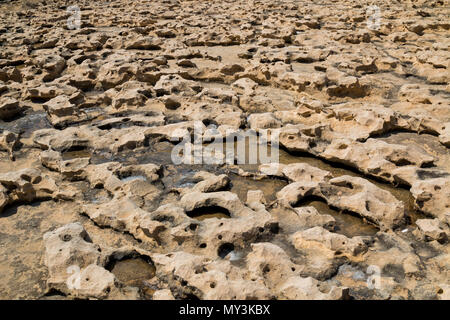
(93, 205)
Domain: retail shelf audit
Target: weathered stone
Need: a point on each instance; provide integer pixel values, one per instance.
(144, 43)
(360, 196)
(163, 294)
(349, 193)
(431, 229)
(298, 288)
(174, 84)
(68, 250)
(52, 66)
(350, 100)
(431, 197)
(263, 121)
(4, 199)
(444, 136)
(9, 108)
(223, 199)
(309, 217)
(47, 91)
(28, 185)
(8, 142)
(319, 236)
(213, 283)
(295, 172)
(210, 182)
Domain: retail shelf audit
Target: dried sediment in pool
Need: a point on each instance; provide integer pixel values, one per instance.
(347, 224)
(134, 272)
(337, 170)
(241, 185)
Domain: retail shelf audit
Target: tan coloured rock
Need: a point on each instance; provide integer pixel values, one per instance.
(295, 172)
(52, 65)
(210, 284)
(28, 185)
(371, 202)
(9, 108)
(8, 142)
(298, 288)
(431, 197)
(349, 193)
(66, 247)
(309, 217)
(163, 294)
(263, 121)
(319, 236)
(50, 91)
(210, 182)
(444, 137)
(270, 262)
(223, 199)
(123, 90)
(125, 217)
(4, 199)
(432, 229)
(144, 43)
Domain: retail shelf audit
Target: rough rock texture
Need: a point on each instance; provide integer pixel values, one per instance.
(348, 193)
(94, 206)
(75, 264)
(9, 108)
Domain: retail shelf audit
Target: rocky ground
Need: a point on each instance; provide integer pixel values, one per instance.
(91, 205)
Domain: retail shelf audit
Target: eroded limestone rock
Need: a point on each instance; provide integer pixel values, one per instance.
(349, 193)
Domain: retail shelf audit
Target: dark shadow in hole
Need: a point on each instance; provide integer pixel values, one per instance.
(209, 210)
(40, 100)
(190, 296)
(75, 148)
(112, 260)
(225, 249)
(52, 292)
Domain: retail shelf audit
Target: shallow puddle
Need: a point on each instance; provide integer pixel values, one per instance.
(181, 176)
(135, 272)
(346, 224)
(27, 124)
(271, 187)
(241, 185)
(400, 193)
(70, 155)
